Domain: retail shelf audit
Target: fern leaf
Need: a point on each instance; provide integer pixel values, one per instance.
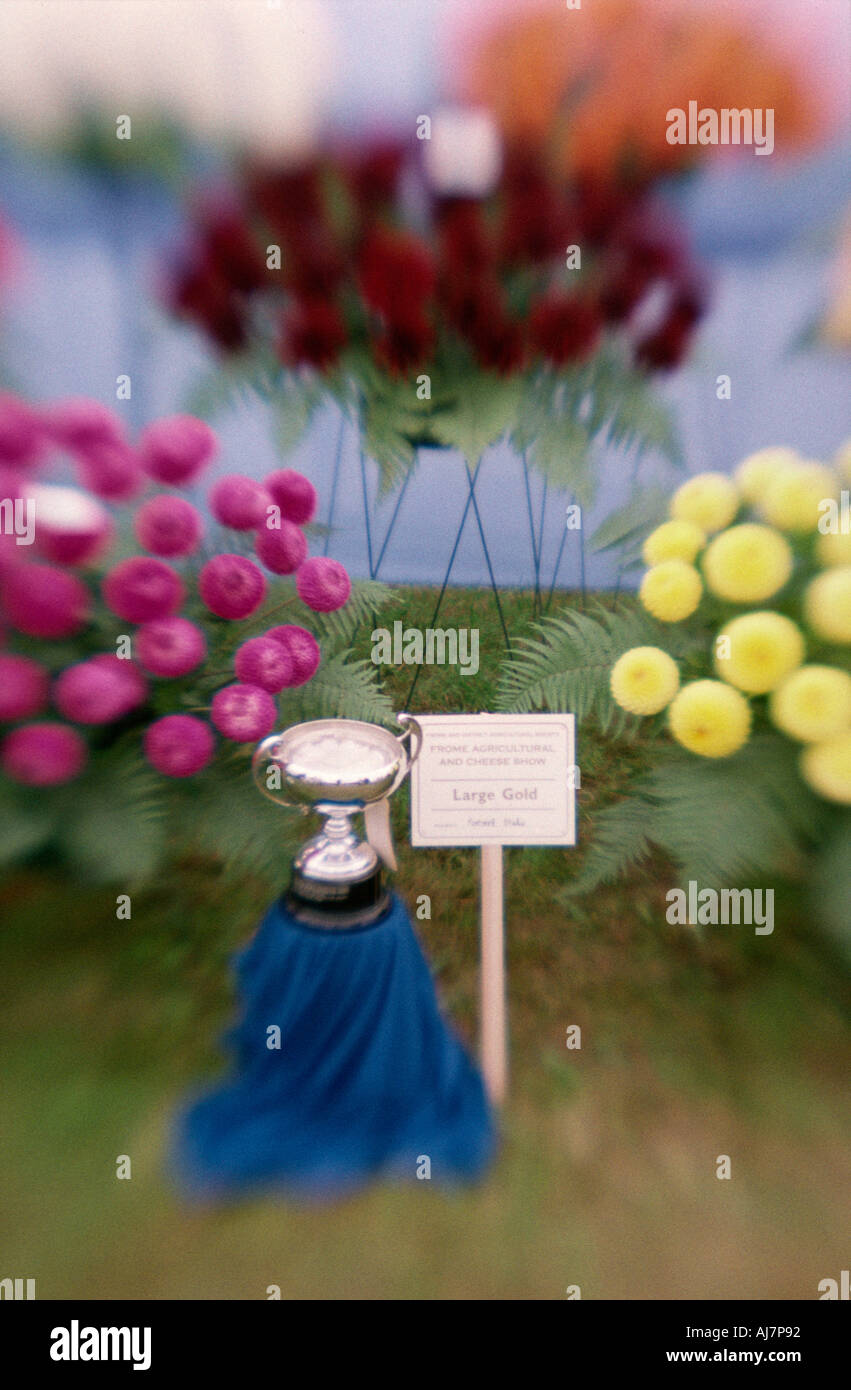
(249, 378)
(618, 840)
(562, 453)
(646, 508)
(368, 596)
(566, 666)
(344, 689)
(725, 823)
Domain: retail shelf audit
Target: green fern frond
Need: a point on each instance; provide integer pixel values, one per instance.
(561, 416)
(249, 378)
(294, 404)
(617, 841)
(368, 597)
(244, 831)
(114, 829)
(724, 822)
(632, 522)
(562, 453)
(566, 666)
(344, 689)
(639, 421)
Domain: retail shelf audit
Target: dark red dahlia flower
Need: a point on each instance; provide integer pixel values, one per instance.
(374, 175)
(199, 294)
(288, 197)
(315, 264)
(649, 241)
(535, 225)
(665, 347)
(498, 342)
(466, 300)
(406, 343)
(598, 208)
(565, 328)
(689, 300)
(465, 242)
(314, 333)
(621, 292)
(396, 273)
(233, 252)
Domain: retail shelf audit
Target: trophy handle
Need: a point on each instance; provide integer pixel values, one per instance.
(415, 734)
(264, 757)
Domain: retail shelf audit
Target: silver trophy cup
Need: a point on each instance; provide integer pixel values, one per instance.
(336, 767)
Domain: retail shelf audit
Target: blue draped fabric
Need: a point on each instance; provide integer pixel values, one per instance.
(369, 1080)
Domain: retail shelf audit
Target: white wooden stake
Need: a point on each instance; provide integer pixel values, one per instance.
(493, 1012)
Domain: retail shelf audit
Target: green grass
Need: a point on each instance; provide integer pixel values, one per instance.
(692, 1046)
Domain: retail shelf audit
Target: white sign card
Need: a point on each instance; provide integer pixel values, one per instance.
(494, 780)
(500, 779)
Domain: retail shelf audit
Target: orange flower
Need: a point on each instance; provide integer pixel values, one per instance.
(593, 86)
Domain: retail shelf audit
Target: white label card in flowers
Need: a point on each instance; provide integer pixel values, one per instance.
(494, 779)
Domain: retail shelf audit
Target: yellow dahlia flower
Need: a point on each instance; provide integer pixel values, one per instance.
(833, 548)
(755, 472)
(671, 591)
(710, 718)
(710, 500)
(813, 704)
(792, 498)
(644, 680)
(827, 604)
(760, 649)
(747, 563)
(674, 540)
(827, 768)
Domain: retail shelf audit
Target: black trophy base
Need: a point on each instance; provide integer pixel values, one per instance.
(318, 903)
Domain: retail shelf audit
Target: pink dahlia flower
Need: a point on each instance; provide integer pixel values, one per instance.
(79, 424)
(178, 745)
(243, 712)
(239, 502)
(23, 687)
(303, 650)
(43, 601)
(293, 493)
(100, 690)
(22, 439)
(263, 661)
(281, 548)
(323, 584)
(168, 525)
(176, 449)
(140, 588)
(170, 646)
(231, 586)
(43, 755)
(110, 471)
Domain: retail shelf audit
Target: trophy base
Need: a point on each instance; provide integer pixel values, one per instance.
(319, 903)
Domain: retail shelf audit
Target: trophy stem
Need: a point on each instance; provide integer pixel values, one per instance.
(338, 825)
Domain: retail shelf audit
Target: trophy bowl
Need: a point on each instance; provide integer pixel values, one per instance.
(336, 767)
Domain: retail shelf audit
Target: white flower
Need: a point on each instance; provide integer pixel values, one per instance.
(463, 158)
(252, 73)
(64, 509)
